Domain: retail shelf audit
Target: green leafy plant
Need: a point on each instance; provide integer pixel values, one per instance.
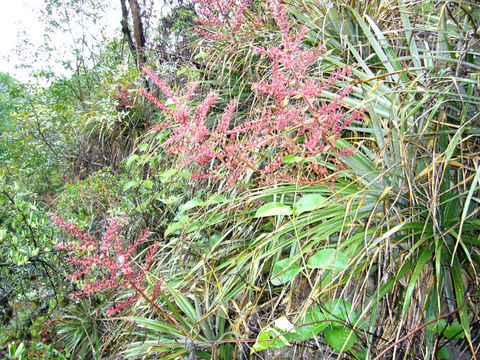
(192, 329)
(332, 320)
(82, 330)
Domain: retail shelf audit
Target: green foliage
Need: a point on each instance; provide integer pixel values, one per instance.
(390, 240)
(172, 34)
(332, 321)
(311, 323)
(284, 271)
(273, 209)
(31, 280)
(276, 336)
(381, 222)
(33, 147)
(81, 329)
(340, 338)
(443, 353)
(84, 22)
(88, 201)
(191, 328)
(38, 350)
(10, 94)
(14, 351)
(329, 259)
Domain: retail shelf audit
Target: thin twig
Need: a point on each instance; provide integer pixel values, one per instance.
(415, 331)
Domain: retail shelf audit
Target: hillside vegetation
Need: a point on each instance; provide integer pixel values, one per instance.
(248, 180)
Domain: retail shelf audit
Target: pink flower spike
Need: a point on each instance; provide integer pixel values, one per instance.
(160, 83)
(107, 264)
(295, 121)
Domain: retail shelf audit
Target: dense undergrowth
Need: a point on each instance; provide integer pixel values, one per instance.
(307, 186)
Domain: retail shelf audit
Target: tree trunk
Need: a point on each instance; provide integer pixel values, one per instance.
(125, 28)
(137, 47)
(138, 33)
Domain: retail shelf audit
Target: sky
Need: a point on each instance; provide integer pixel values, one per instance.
(19, 20)
(15, 17)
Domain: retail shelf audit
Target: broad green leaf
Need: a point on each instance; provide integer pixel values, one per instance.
(200, 55)
(362, 355)
(280, 339)
(176, 225)
(308, 202)
(147, 184)
(190, 204)
(310, 324)
(185, 174)
(337, 309)
(283, 272)
(272, 337)
(340, 338)
(328, 259)
(130, 184)
(437, 326)
(213, 240)
(131, 159)
(171, 200)
(455, 330)
(195, 226)
(443, 353)
(166, 175)
(263, 342)
(182, 70)
(291, 159)
(273, 209)
(216, 199)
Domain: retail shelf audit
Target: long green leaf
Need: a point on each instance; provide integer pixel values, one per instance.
(424, 257)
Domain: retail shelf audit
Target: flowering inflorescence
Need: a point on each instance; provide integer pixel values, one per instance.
(293, 124)
(224, 15)
(111, 257)
(124, 96)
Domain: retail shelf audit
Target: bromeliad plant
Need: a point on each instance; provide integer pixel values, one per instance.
(110, 266)
(292, 124)
(113, 258)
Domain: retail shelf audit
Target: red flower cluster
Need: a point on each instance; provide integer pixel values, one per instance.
(124, 97)
(112, 258)
(226, 15)
(292, 138)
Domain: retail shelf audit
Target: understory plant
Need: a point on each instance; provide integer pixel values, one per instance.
(100, 265)
(114, 256)
(109, 267)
